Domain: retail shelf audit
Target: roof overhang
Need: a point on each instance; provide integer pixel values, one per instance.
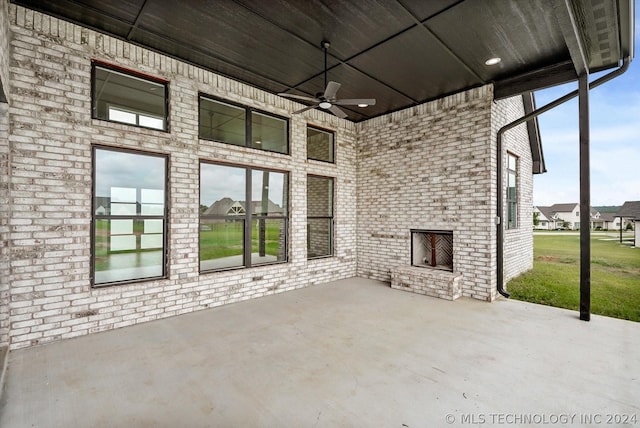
(533, 130)
(402, 53)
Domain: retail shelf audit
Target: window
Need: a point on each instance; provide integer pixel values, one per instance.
(243, 216)
(319, 216)
(127, 97)
(320, 145)
(129, 216)
(512, 192)
(242, 126)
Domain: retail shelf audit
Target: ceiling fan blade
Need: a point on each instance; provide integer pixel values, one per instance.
(331, 90)
(302, 110)
(355, 101)
(298, 97)
(337, 111)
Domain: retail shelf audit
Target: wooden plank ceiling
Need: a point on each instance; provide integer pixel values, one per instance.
(401, 52)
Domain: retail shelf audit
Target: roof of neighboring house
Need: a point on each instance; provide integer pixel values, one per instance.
(547, 212)
(563, 208)
(608, 216)
(222, 207)
(630, 209)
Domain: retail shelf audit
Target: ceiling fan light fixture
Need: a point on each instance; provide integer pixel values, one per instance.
(363, 105)
(493, 61)
(325, 105)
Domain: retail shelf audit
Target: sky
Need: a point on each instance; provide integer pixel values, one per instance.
(615, 140)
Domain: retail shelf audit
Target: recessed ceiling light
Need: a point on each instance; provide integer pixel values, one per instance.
(363, 105)
(325, 105)
(493, 61)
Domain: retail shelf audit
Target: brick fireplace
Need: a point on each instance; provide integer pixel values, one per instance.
(431, 270)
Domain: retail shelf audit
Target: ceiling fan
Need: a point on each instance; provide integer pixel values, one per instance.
(327, 100)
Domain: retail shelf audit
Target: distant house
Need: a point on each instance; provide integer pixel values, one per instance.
(563, 215)
(546, 221)
(229, 207)
(607, 221)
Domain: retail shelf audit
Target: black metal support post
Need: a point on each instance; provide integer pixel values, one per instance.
(585, 200)
(499, 190)
(621, 221)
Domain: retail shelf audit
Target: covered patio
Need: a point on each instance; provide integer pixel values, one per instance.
(347, 353)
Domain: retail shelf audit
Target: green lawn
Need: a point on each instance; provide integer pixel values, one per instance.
(555, 277)
(226, 239)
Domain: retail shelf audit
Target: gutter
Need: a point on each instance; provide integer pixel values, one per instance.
(505, 128)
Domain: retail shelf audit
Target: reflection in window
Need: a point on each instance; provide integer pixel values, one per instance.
(320, 145)
(239, 229)
(319, 216)
(240, 126)
(128, 98)
(222, 122)
(512, 193)
(128, 239)
(268, 133)
(118, 115)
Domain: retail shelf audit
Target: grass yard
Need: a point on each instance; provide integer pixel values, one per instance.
(226, 239)
(555, 277)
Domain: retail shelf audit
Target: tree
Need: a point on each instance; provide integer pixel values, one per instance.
(536, 219)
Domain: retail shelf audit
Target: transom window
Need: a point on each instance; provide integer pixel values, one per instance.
(242, 126)
(129, 216)
(512, 191)
(243, 216)
(319, 216)
(320, 145)
(127, 97)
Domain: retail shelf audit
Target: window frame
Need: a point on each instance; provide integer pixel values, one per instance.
(512, 202)
(248, 216)
(248, 111)
(95, 217)
(331, 218)
(333, 143)
(134, 74)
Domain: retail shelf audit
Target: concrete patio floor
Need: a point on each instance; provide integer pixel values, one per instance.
(351, 353)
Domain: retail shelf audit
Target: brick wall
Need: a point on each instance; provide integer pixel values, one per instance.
(4, 175)
(4, 224)
(518, 242)
(429, 167)
(51, 139)
(433, 167)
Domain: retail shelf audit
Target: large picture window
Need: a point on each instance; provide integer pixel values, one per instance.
(320, 145)
(512, 191)
(319, 216)
(241, 126)
(127, 97)
(129, 216)
(243, 216)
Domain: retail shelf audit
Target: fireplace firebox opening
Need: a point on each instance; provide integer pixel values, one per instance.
(432, 249)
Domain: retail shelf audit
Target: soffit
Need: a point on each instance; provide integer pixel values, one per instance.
(401, 52)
